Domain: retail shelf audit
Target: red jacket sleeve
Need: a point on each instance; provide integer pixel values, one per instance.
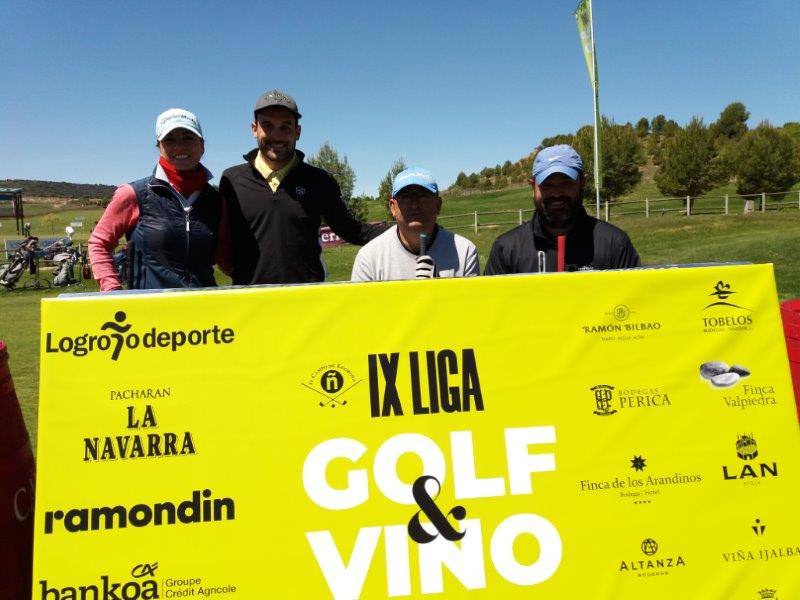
(121, 214)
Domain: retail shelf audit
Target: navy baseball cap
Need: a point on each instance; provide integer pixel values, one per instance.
(414, 176)
(557, 159)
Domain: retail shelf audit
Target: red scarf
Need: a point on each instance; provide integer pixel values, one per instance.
(186, 182)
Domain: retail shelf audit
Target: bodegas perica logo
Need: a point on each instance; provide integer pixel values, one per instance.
(117, 335)
(607, 400)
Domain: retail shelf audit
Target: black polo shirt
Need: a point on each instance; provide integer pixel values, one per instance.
(590, 244)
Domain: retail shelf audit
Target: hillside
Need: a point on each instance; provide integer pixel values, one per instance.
(59, 189)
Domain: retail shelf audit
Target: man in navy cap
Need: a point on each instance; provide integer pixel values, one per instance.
(401, 252)
(558, 180)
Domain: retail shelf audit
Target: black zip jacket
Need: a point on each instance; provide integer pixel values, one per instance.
(275, 235)
(590, 244)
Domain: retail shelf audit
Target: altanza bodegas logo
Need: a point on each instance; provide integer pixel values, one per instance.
(116, 336)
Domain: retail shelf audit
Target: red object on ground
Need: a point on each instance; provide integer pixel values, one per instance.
(562, 250)
(790, 312)
(17, 476)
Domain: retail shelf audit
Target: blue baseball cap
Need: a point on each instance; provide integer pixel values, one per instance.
(557, 159)
(414, 176)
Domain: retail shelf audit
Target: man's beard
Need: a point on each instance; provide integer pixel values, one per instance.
(562, 216)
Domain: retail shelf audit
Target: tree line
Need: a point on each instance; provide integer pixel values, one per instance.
(60, 189)
(689, 160)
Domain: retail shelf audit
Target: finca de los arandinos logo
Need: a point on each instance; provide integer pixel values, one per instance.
(117, 335)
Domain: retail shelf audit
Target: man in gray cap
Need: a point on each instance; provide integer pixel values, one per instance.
(558, 180)
(274, 204)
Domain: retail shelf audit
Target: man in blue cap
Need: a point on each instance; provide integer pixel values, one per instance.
(558, 180)
(401, 252)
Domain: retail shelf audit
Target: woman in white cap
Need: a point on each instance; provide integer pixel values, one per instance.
(170, 219)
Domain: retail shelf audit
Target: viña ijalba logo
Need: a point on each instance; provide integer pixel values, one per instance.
(141, 585)
(766, 550)
(116, 335)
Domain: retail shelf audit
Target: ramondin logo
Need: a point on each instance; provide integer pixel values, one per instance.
(119, 338)
(138, 588)
(201, 508)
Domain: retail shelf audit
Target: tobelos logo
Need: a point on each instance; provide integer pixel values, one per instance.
(722, 291)
(118, 336)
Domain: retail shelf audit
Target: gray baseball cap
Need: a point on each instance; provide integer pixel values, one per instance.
(276, 98)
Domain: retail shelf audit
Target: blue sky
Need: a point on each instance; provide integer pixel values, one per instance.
(450, 86)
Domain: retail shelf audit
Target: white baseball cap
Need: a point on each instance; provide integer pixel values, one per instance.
(177, 118)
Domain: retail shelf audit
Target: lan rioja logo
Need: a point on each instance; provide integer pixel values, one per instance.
(747, 450)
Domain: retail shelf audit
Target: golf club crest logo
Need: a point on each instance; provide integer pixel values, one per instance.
(768, 594)
(331, 382)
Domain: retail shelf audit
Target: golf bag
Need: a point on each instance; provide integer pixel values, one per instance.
(21, 258)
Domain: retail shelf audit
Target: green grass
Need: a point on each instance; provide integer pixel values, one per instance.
(47, 223)
(768, 237)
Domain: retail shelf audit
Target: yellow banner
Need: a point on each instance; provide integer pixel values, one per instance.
(619, 435)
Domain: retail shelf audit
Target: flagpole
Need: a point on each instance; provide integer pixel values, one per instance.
(596, 116)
